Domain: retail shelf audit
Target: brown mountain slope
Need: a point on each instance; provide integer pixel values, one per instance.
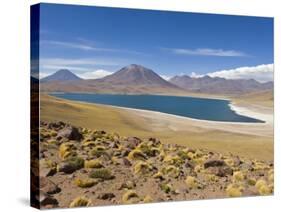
(130, 79)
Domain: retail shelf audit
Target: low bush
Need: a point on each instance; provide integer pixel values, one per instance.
(103, 174)
(80, 202)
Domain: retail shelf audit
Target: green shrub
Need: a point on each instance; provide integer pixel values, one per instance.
(171, 171)
(167, 188)
(98, 151)
(103, 174)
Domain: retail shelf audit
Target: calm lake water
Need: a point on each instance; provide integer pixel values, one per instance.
(197, 108)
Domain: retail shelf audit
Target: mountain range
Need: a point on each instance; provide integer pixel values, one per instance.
(136, 79)
(218, 85)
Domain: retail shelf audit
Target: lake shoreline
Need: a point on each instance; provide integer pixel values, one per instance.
(238, 127)
(244, 113)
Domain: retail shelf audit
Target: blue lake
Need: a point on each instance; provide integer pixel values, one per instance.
(192, 107)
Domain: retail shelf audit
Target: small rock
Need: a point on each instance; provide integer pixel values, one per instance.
(126, 162)
(127, 185)
(113, 145)
(125, 153)
(237, 161)
(188, 164)
(106, 196)
(155, 141)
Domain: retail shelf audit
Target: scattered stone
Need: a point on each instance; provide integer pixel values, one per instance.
(164, 171)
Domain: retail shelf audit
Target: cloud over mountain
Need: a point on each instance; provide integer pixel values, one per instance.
(261, 73)
(100, 73)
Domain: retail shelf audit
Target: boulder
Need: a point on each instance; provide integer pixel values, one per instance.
(55, 125)
(48, 201)
(48, 187)
(71, 133)
(221, 171)
(132, 142)
(214, 163)
(46, 171)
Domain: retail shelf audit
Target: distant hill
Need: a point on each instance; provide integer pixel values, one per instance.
(61, 75)
(263, 98)
(128, 80)
(217, 85)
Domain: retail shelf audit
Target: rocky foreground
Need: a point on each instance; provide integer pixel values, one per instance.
(82, 167)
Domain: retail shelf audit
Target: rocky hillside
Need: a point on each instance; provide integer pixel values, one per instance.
(83, 167)
(134, 75)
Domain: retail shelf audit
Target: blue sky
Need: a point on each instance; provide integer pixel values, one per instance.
(95, 41)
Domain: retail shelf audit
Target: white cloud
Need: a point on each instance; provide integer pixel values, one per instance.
(43, 74)
(86, 45)
(165, 77)
(84, 61)
(261, 73)
(75, 45)
(208, 52)
(79, 65)
(100, 73)
(195, 75)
